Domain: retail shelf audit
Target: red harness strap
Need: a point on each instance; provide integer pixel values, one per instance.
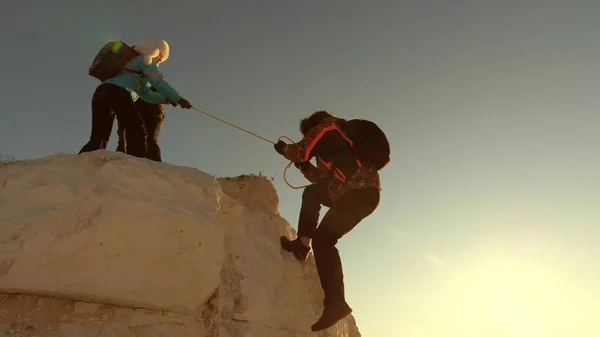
(321, 134)
(337, 172)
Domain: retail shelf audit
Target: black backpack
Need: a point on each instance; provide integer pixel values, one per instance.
(369, 142)
(111, 59)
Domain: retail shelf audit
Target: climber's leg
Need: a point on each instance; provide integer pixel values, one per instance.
(342, 217)
(121, 146)
(102, 121)
(154, 117)
(313, 197)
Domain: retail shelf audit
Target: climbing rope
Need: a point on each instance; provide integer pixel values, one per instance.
(235, 126)
(260, 137)
(288, 166)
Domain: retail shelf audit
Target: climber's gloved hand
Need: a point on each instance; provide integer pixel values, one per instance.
(184, 103)
(279, 147)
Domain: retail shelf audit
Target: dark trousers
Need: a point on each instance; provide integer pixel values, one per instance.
(342, 216)
(110, 100)
(154, 117)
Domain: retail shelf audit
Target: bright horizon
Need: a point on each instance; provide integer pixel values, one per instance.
(489, 219)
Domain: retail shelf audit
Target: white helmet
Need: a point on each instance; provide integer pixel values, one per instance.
(154, 48)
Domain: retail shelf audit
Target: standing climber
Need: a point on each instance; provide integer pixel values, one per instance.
(154, 117)
(345, 180)
(117, 94)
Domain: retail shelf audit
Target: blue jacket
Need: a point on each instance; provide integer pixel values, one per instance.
(139, 85)
(150, 96)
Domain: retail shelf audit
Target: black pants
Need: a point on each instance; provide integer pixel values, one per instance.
(154, 117)
(110, 100)
(341, 218)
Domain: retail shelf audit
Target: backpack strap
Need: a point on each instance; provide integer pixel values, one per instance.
(135, 54)
(133, 71)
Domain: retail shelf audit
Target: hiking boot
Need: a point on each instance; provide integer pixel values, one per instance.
(300, 250)
(332, 313)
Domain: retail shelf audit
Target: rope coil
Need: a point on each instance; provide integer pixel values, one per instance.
(260, 137)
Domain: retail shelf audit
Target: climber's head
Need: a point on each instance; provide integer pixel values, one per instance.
(312, 120)
(156, 49)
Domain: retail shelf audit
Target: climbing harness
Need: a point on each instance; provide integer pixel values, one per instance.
(257, 136)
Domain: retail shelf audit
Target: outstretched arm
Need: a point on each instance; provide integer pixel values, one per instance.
(302, 151)
(156, 78)
(153, 97)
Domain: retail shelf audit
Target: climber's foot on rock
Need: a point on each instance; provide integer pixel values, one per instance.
(332, 314)
(295, 246)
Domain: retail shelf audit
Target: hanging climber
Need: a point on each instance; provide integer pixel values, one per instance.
(125, 73)
(346, 180)
(154, 117)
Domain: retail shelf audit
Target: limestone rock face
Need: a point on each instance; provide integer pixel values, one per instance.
(109, 229)
(105, 244)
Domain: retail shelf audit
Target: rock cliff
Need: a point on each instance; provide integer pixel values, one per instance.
(105, 244)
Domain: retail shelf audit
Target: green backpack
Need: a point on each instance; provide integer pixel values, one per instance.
(111, 59)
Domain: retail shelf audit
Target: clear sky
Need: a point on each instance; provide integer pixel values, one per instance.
(489, 223)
